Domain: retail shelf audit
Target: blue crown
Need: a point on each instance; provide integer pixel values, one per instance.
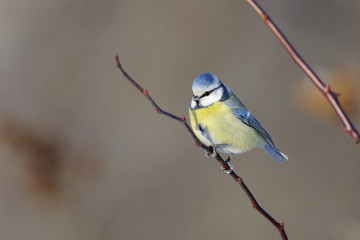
(205, 80)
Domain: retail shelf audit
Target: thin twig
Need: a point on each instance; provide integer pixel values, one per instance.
(253, 202)
(323, 88)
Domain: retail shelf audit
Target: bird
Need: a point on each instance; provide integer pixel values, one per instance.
(222, 122)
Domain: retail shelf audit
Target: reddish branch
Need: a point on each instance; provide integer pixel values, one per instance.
(323, 88)
(225, 165)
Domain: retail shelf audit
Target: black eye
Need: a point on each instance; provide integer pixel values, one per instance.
(206, 93)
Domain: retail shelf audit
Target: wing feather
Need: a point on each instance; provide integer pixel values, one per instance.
(246, 117)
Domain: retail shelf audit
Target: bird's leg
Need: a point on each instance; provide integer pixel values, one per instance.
(228, 158)
(213, 153)
(231, 167)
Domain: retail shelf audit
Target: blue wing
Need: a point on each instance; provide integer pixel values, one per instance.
(246, 117)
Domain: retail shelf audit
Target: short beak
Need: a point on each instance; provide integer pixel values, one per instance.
(195, 98)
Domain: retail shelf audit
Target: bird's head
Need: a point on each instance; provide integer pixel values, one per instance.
(208, 89)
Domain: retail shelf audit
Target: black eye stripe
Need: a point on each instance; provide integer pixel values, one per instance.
(207, 93)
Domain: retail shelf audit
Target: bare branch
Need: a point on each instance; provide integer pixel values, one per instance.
(323, 88)
(253, 202)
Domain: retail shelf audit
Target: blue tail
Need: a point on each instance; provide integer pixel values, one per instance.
(275, 153)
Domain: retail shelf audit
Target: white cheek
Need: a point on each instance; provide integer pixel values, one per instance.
(212, 98)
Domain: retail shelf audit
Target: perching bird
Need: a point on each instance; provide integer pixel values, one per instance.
(220, 120)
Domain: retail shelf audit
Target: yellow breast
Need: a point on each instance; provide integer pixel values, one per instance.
(224, 129)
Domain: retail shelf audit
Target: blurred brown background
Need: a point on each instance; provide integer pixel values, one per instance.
(83, 156)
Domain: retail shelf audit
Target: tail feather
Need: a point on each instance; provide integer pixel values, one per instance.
(275, 153)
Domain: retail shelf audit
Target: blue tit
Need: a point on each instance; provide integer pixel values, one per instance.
(221, 121)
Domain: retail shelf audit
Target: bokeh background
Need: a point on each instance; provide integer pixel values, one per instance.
(83, 156)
